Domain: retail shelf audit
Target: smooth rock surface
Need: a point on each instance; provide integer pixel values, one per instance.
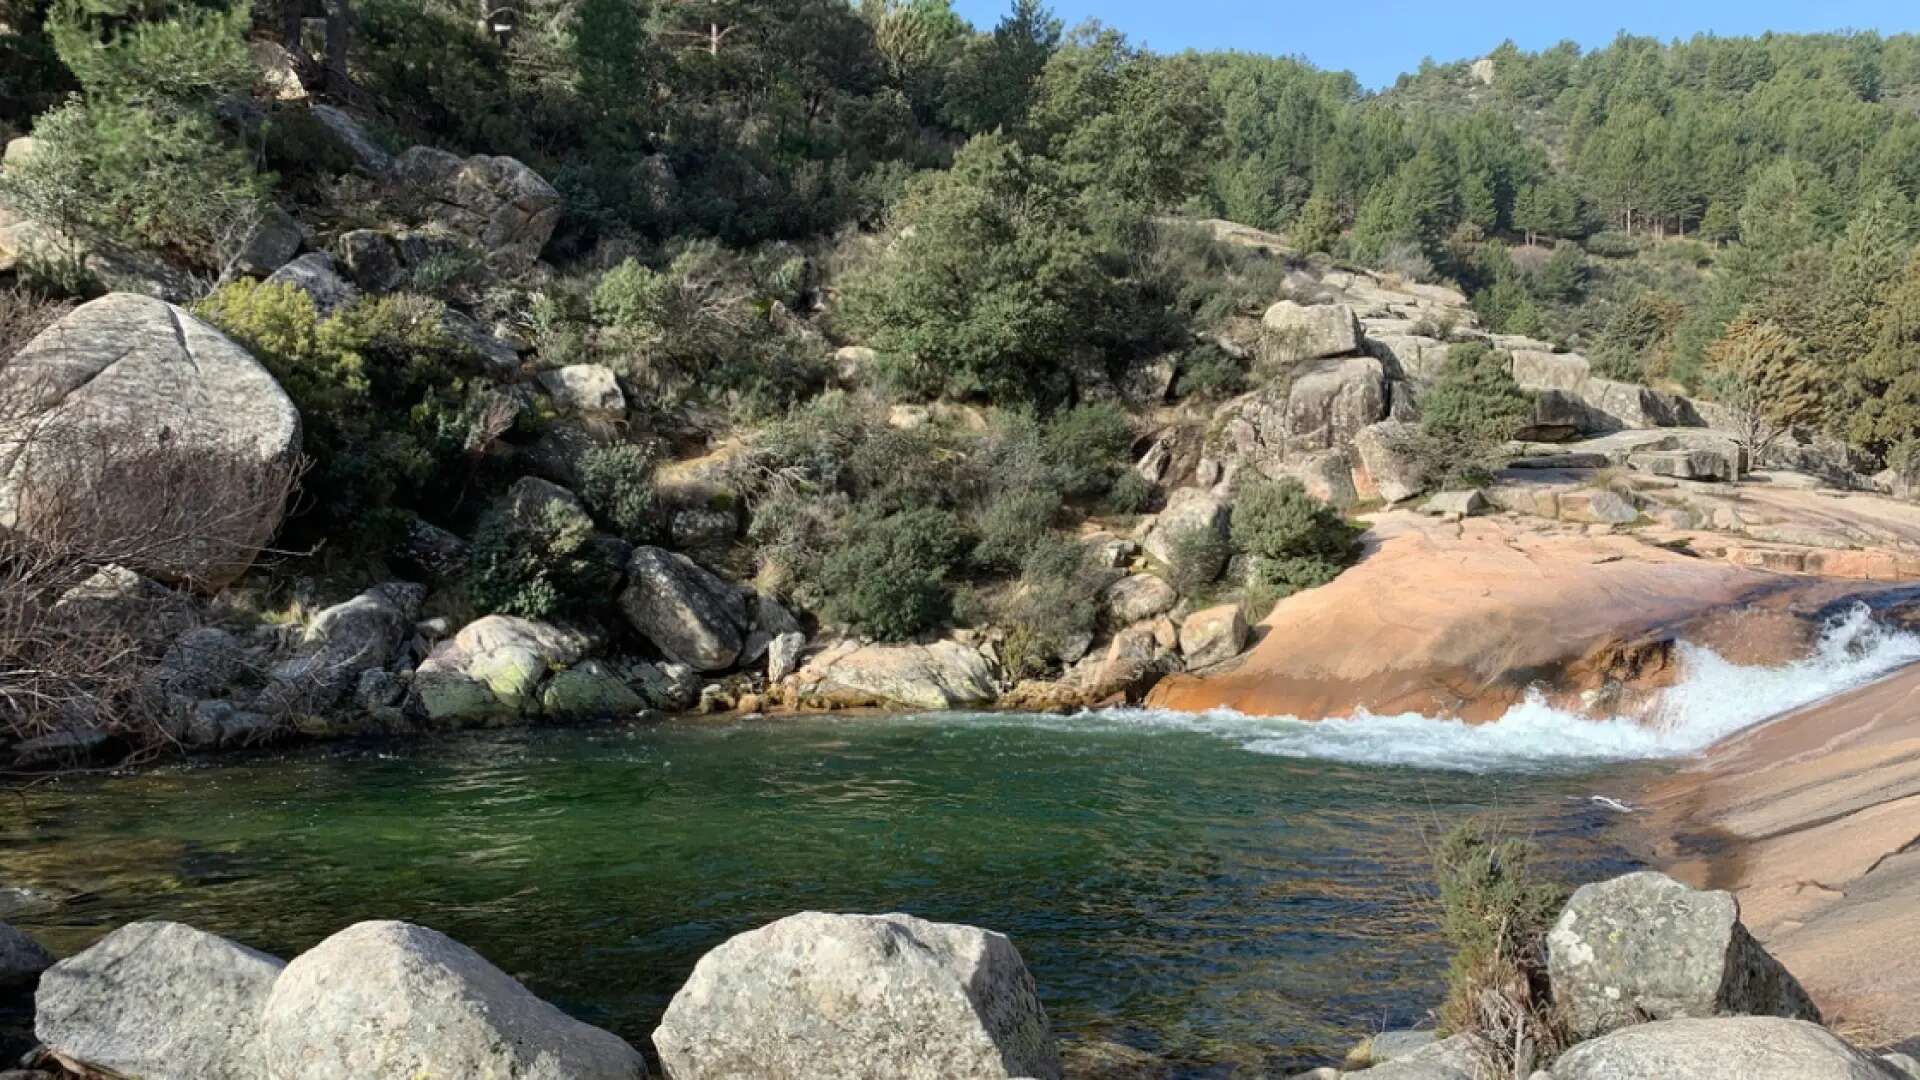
(492, 669)
(1138, 596)
(394, 1000)
(22, 959)
(942, 675)
(159, 1001)
(315, 275)
(1213, 636)
(858, 997)
(1310, 332)
(1730, 1048)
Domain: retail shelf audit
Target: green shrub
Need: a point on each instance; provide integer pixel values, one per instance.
(1131, 493)
(616, 483)
(1300, 542)
(1055, 603)
(1013, 525)
(1210, 373)
(1468, 414)
(888, 576)
(1086, 447)
(389, 422)
(1496, 912)
(1199, 556)
(1614, 245)
(538, 569)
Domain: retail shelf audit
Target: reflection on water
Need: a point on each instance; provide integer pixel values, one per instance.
(1220, 909)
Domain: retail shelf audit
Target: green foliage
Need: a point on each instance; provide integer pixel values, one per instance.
(540, 568)
(888, 577)
(1001, 281)
(1199, 557)
(1496, 912)
(183, 61)
(1013, 525)
(1298, 541)
(1054, 604)
(1130, 494)
(1086, 447)
(1469, 413)
(390, 423)
(1316, 228)
(616, 483)
(1210, 373)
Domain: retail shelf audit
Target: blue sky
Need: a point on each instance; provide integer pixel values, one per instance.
(1379, 39)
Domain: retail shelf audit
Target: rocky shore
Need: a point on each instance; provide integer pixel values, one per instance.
(1652, 978)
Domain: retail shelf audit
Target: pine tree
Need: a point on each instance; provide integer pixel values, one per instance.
(1316, 228)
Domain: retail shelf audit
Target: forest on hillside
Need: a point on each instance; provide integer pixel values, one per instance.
(991, 212)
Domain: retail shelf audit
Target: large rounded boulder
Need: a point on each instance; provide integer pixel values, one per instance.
(873, 997)
(1730, 1048)
(689, 614)
(133, 428)
(390, 999)
(158, 1001)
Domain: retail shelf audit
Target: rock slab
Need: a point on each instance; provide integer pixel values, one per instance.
(1731, 1048)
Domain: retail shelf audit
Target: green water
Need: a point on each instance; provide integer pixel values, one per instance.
(1230, 912)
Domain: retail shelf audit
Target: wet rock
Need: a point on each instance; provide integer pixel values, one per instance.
(668, 687)
(223, 724)
(22, 959)
(159, 1001)
(389, 999)
(821, 996)
(1646, 947)
(589, 691)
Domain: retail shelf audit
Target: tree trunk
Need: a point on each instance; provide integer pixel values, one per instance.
(339, 27)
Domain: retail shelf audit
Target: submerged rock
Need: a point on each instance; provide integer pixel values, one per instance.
(825, 997)
(159, 1001)
(22, 959)
(389, 999)
(1645, 947)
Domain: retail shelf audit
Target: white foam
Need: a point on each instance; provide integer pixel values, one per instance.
(1713, 699)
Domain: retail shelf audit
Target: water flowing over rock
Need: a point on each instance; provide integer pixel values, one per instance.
(506, 208)
(872, 997)
(1732, 1048)
(159, 1001)
(1645, 947)
(126, 377)
(22, 959)
(389, 999)
(689, 614)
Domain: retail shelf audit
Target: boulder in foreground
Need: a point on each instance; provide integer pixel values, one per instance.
(167, 428)
(1729, 1048)
(1646, 947)
(158, 1001)
(22, 959)
(873, 997)
(389, 999)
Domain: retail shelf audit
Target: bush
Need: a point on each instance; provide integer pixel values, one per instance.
(23, 314)
(389, 422)
(1614, 245)
(1130, 494)
(1054, 604)
(1496, 913)
(1210, 373)
(888, 576)
(1013, 525)
(537, 569)
(1300, 542)
(1086, 447)
(1469, 413)
(616, 483)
